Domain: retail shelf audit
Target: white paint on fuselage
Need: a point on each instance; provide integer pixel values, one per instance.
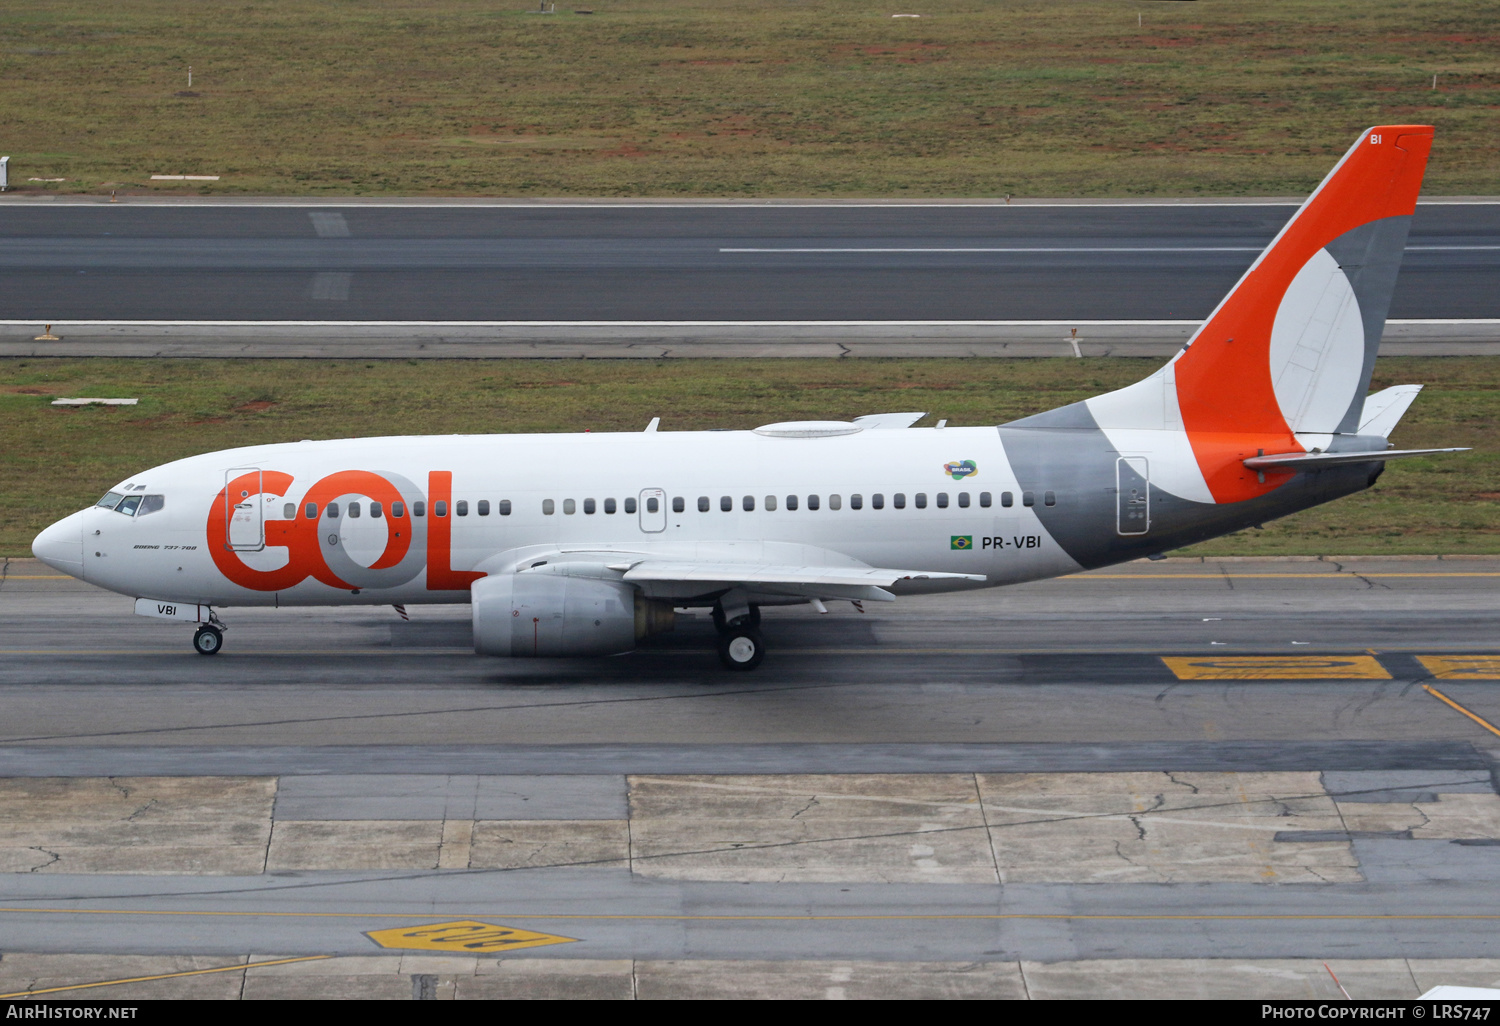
(166, 555)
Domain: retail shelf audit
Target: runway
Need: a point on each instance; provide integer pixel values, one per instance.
(677, 279)
(1082, 787)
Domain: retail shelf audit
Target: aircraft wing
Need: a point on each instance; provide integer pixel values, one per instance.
(768, 573)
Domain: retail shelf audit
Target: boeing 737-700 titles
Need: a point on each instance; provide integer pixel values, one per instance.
(582, 544)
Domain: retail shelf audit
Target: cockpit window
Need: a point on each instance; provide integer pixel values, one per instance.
(110, 500)
(151, 504)
(128, 506)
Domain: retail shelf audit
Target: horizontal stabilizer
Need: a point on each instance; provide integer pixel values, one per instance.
(1384, 410)
(750, 573)
(1316, 460)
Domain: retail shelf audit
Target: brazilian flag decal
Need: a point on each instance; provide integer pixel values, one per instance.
(962, 541)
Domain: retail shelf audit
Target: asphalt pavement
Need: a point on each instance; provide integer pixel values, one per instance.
(524, 279)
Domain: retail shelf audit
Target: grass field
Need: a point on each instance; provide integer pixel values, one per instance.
(740, 97)
(57, 460)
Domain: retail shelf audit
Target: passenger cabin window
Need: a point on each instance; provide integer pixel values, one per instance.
(398, 510)
(652, 504)
(1006, 499)
(1028, 498)
(942, 500)
(503, 507)
(289, 511)
(749, 503)
(835, 502)
(375, 510)
(419, 508)
(128, 506)
(439, 509)
(877, 501)
(333, 510)
(110, 500)
(569, 507)
(354, 510)
(856, 501)
(310, 511)
(609, 506)
(921, 500)
(1049, 498)
(630, 505)
(899, 500)
(771, 503)
(461, 507)
(703, 504)
(812, 502)
(678, 505)
(482, 507)
(589, 507)
(548, 507)
(963, 500)
(791, 502)
(726, 503)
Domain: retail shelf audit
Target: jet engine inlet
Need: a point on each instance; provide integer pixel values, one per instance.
(527, 615)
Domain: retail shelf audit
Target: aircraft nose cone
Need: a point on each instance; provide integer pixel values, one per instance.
(61, 545)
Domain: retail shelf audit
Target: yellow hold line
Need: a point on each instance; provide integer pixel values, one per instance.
(1486, 724)
(162, 976)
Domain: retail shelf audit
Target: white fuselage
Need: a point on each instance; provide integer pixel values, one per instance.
(565, 493)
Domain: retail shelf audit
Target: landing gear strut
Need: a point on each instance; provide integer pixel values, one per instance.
(740, 644)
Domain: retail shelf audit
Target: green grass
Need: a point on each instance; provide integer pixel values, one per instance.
(57, 460)
(740, 97)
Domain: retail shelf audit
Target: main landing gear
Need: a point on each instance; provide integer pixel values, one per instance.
(209, 637)
(740, 644)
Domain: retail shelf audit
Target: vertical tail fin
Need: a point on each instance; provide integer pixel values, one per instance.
(1291, 348)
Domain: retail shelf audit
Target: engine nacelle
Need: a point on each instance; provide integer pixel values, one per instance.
(527, 615)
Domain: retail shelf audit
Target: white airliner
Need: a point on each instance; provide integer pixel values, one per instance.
(582, 544)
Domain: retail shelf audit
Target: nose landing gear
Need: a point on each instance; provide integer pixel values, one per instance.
(209, 637)
(208, 640)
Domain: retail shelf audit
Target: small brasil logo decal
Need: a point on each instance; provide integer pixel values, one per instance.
(961, 541)
(960, 469)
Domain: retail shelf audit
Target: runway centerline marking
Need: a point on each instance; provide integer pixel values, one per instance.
(1359, 667)
(995, 249)
(163, 976)
(1486, 724)
(1462, 667)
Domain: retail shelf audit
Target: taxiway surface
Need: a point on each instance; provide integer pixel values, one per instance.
(1040, 790)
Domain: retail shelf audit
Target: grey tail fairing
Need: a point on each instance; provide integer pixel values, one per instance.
(1064, 452)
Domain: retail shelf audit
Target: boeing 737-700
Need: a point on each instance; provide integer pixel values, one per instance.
(583, 544)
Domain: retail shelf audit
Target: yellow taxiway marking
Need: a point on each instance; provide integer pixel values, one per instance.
(730, 917)
(1359, 667)
(1462, 667)
(162, 976)
(1486, 724)
(464, 935)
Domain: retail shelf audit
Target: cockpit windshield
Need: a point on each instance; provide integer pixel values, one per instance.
(132, 505)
